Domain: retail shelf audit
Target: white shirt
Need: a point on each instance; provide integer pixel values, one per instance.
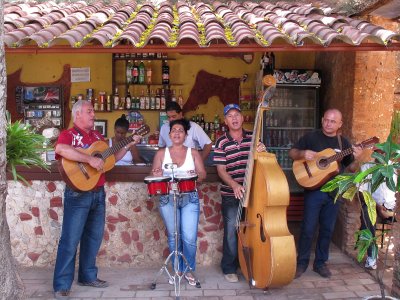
(196, 137)
(187, 167)
(383, 195)
(126, 160)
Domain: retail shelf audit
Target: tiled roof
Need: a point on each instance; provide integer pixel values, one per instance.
(79, 23)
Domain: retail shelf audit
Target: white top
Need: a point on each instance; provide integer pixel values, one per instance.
(124, 161)
(186, 169)
(196, 137)
(383, 195)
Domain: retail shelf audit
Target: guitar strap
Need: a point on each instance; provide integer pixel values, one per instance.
(339, 138)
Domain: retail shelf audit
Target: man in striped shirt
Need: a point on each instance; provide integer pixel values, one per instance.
(230, 156)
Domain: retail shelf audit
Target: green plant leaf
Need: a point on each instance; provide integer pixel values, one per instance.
(362, 175)
(371, 206)
(349, 194)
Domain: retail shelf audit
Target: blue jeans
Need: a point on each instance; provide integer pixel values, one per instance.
(319, 209)
(188, 212)
(230, 261)
(84, 219)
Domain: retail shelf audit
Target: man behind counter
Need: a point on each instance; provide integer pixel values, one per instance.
(196, 137)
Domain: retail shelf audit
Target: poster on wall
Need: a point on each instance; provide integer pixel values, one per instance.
(80, 74)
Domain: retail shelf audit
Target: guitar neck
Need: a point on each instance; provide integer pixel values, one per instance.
(340, 155)
(115, 148)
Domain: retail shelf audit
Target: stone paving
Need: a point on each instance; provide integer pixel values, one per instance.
(349, 281)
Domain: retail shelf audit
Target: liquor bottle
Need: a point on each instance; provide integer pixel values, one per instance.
(162, 100)
(116, 99)
(158, 100)
(141, 72)
(128, 100)
(202, 123)
(142, 100)
(152, 100)
(109, 103)
(173, 96)
(96, 104)
(135, 73)
(180, 99)
(147, 101)
(216, 122)
(148, 73)
(165, 73)
(129, 72)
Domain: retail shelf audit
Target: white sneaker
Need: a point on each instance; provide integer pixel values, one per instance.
(370, 263)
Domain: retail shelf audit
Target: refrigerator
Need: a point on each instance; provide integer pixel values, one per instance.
(293, 111)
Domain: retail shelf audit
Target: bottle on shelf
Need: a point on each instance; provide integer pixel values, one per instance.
(96, 104)
(109, 107)
(180, 99)
(129, 72)
(173, 96)
(116, 99)
(135, 73)
(165, 72)
(128, 100)
(148, 73)
(216, 122)
(162, 100)
(152, 100)
(158, 100)
(147, 100)
(141, 72)
(142, 100)
(202, 123)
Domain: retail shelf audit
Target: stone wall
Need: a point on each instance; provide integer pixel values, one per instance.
(134, 233)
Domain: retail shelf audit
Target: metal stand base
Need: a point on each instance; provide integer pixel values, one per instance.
(176, 277)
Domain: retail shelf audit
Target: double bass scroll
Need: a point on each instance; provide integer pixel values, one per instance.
(267, 253)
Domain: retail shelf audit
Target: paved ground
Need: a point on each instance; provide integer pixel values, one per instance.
(349, 281)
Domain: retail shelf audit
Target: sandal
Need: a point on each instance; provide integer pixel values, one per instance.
(190, 279)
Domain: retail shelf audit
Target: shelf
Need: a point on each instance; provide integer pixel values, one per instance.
(290, 108)
(139, 110)
(141, 58)
(148, 84)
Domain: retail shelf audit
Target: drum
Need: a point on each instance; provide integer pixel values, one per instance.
(186, 183)
(157, 185)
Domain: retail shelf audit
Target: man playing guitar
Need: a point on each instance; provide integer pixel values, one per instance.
(84, 211)
(319, 207)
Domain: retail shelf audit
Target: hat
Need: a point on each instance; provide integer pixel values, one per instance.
(231, 106)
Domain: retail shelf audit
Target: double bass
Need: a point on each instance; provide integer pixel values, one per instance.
(266, 248)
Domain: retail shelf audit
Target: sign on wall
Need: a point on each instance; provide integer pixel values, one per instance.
(80, 74)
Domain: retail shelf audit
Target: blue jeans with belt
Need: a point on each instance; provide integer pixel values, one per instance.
(319, 211)
(230, 261)
(188, 212)
(83, 223)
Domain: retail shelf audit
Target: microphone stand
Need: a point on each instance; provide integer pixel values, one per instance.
(176, 277)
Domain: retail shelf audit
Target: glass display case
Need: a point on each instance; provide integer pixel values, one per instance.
(41, 105)
(293, 112)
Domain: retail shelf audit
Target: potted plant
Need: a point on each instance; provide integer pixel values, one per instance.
(24, 147)
(386, 164)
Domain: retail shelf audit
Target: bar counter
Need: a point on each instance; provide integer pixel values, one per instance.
(134, 232)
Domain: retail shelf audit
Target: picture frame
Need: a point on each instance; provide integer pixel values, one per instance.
(101, 126)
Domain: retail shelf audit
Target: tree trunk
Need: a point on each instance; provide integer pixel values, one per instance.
(11, 286)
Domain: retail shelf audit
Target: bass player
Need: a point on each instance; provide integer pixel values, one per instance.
(320, 210)
(84, 212)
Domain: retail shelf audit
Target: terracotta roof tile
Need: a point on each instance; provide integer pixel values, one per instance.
(233, 23)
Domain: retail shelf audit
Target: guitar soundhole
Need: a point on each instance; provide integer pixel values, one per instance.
(323, 163)
(98, 154)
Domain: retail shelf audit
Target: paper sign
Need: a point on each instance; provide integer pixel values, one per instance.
(80, 74)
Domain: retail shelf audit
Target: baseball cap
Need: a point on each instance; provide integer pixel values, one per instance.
(231, 106)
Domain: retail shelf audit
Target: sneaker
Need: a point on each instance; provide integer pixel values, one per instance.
(98, 283)
(300, 269)
(323, 271)
(190, 279)
(63, 294)
(370, 263)
(232, 278)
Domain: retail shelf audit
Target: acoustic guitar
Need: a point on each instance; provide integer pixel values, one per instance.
(312, 174)
(81, 176)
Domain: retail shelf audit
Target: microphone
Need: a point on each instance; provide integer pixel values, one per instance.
(170, 166)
